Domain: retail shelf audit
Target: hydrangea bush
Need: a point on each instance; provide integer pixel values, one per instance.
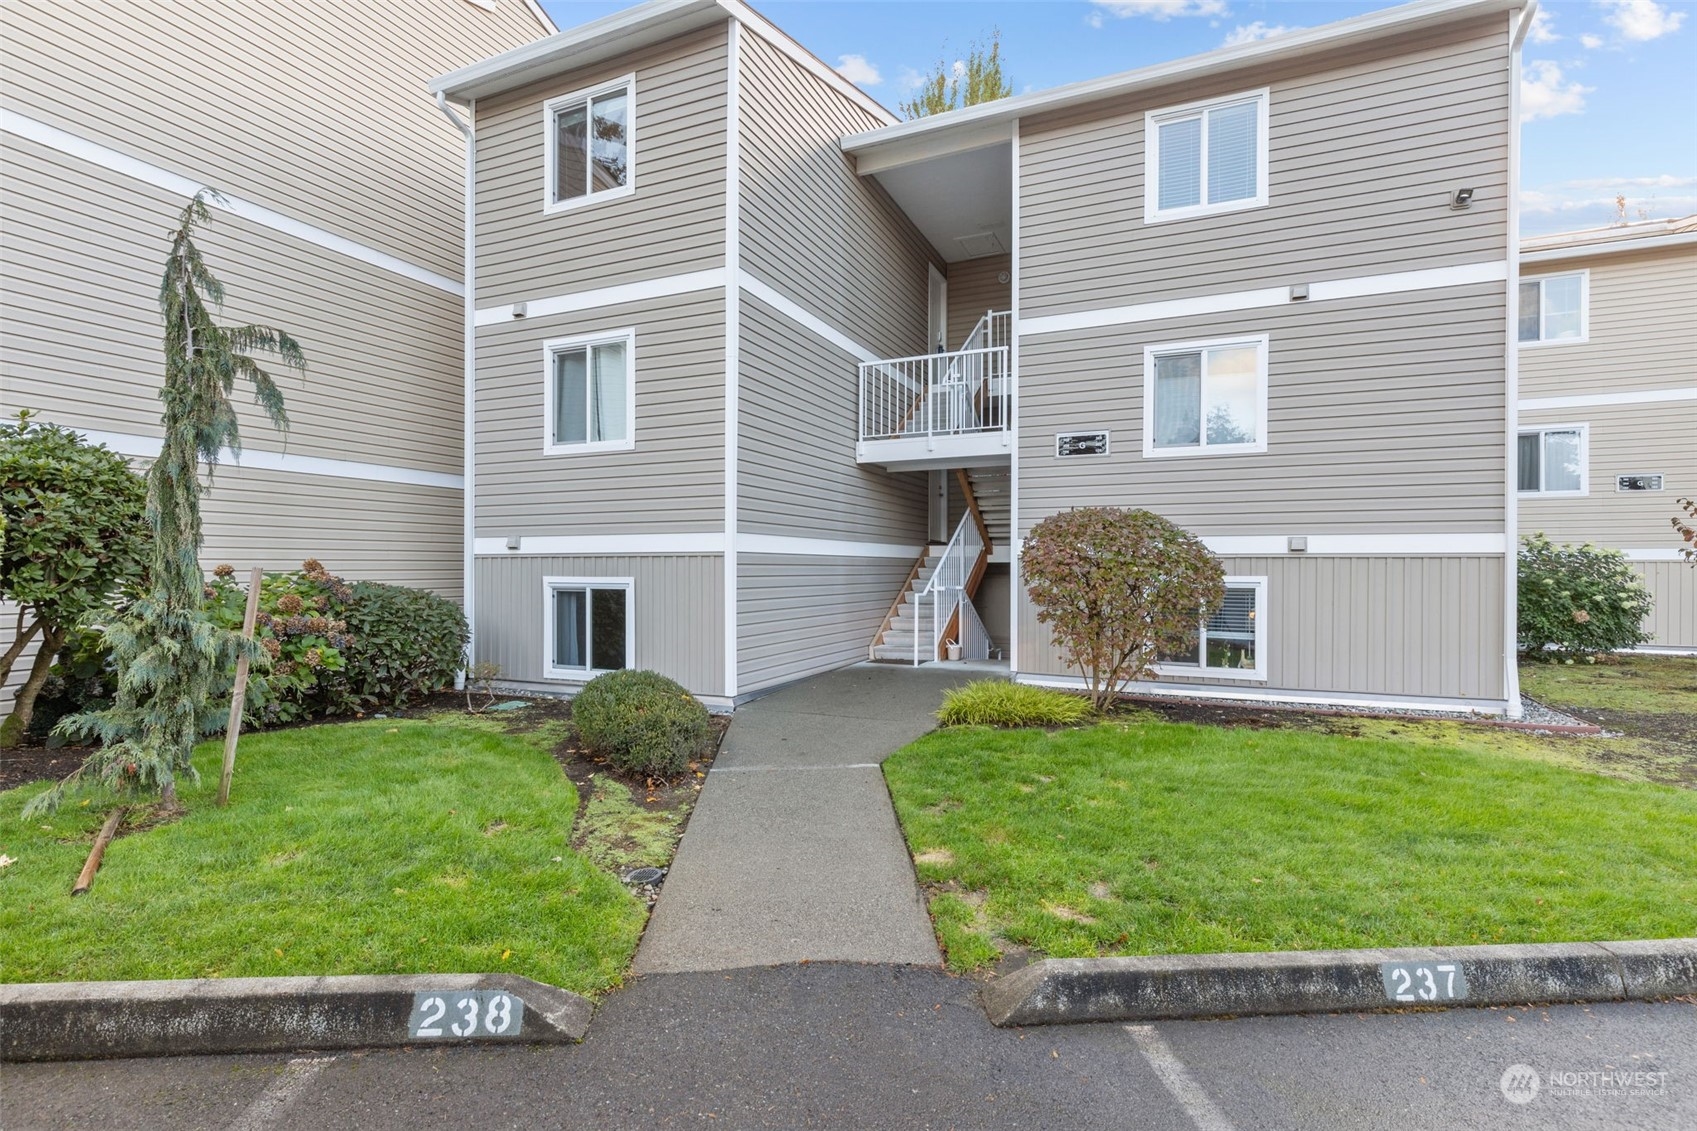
(1578, 602)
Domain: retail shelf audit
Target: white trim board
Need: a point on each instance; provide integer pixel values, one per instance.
(258, 459)
(1357, 545)
(1602, 400)
(804, 318)
(110, 159)
(707, 542)
(733, 339)
(826, 547)
(1363, 286)
(1263, 695)
(1656, 554)
(602, 296)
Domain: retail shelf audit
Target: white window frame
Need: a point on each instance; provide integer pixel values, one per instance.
(1584, 431)
(1259, 671)
(550, 167)
(1584, 275)
(1153, 213)
(1151, 352)
(553, 346)
(553, 585)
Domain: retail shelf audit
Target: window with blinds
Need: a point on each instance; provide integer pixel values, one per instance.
(1206, 157)
(1230, 643)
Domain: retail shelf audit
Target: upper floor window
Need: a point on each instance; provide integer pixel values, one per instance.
(1205, 397)
(588, 392)
(1553, 461)
(1555, 308)
(1206, 157)
(590, 144)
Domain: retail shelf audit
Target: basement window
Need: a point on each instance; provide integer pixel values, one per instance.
(588, 626)
(1231, 643)
(590, 145)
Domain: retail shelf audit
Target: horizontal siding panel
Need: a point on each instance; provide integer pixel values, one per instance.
(798, 616)
(796, 469)
(672, 224)
(1363, 152)
(352, 142)
(674, 479)
(1383, 413)
(1647, 439)
(974, 290)
(1412, 626)
(679, 606)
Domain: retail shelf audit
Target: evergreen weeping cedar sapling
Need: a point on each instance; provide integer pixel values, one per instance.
(172, 660)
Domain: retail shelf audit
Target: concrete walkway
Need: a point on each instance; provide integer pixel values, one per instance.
(793, 852)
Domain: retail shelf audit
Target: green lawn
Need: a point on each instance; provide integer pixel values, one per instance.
(375, 847)
(1146, 837)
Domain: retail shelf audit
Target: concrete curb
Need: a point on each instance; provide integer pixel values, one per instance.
(1175, 986)
(90, 1020)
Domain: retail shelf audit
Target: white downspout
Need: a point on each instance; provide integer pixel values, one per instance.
(1519, 24)
(469, 533)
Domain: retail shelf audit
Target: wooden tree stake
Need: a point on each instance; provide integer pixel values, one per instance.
(238, 698)
(107, 831)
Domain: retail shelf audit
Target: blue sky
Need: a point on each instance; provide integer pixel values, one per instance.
(1609, 99)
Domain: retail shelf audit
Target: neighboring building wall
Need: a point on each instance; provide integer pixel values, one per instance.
(1633, 384)
(977, 286)
(833, 245)
(349, 183)
(1387, 411)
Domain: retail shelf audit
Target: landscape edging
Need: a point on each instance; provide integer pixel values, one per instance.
(1168, 987)
(95, 1020)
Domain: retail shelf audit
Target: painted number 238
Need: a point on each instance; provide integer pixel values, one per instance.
(496, 1019)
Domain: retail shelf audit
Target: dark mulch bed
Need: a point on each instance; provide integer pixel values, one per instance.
(38, 763)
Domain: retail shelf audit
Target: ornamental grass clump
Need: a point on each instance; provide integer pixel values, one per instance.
(1117, 588)
(998, 703)
(1578, 602)
(641, 722)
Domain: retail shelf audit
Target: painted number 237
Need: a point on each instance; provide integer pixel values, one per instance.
(1423, 983)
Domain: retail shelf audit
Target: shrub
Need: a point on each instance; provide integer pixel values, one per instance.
(405, 643)
(641, 722)
(1117, 588)
(998, 703)
(1578, 601)
(1685, 525)
(303, 627)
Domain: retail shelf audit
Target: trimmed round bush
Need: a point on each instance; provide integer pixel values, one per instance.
(641, 722)
(1577, 602)
(407, 643)
(998, 703)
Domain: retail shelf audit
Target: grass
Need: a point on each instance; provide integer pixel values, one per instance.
(1147, 837)
(376, 847)
(1635, 683)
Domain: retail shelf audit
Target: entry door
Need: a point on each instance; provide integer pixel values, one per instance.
(937, 312)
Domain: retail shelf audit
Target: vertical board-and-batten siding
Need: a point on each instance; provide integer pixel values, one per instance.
(672, 481)
(678, 604)
(672, 224)
(1384, 414)
(1672, 622)
(1402, 626)
(1364, 150)
(798, 616)
(975, 288)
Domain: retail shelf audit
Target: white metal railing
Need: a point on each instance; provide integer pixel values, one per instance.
(940, 394)
(945, 591)
(974, 637)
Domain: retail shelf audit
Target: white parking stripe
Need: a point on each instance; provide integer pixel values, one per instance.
(766, 769)
(1179, 1082)
(263, 1112)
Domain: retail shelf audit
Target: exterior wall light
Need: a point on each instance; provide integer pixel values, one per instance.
(1461, 198)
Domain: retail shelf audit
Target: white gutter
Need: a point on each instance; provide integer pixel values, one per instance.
(468, 600)
(1614, 247)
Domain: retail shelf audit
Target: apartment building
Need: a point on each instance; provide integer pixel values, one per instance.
(1608, 401)
(343, 225)
(767, 383)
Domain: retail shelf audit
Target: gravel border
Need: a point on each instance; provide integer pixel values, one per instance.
(1535, 715)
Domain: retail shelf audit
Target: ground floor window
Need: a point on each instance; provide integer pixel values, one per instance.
(588, 626)
(1232, 642)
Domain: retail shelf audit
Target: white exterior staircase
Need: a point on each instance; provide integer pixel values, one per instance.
(897, 642)
(992, 488)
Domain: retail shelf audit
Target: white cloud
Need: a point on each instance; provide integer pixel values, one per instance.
(1641, 20)
(1590, 42)
(1249, 33)
(1590, 203)
(909, 80)
(1159, 9)
(856, 69)
(1543, 27)
(1095, 18)
(1545, 93)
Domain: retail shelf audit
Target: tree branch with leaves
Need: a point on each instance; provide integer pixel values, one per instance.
(965, 82)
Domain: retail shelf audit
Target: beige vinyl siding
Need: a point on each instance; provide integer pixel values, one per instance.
(975, 289)
(1643, 439)
(796, 469)
(1364, 150)
(797, 616)
(80, 338)
(673, 480)
(829, 240)
(1404, 626)
(1385, 414)
(20, 666)
(672, 224)
(316, 110)
(1672, 622)
(1643, 332)
(678, 603)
